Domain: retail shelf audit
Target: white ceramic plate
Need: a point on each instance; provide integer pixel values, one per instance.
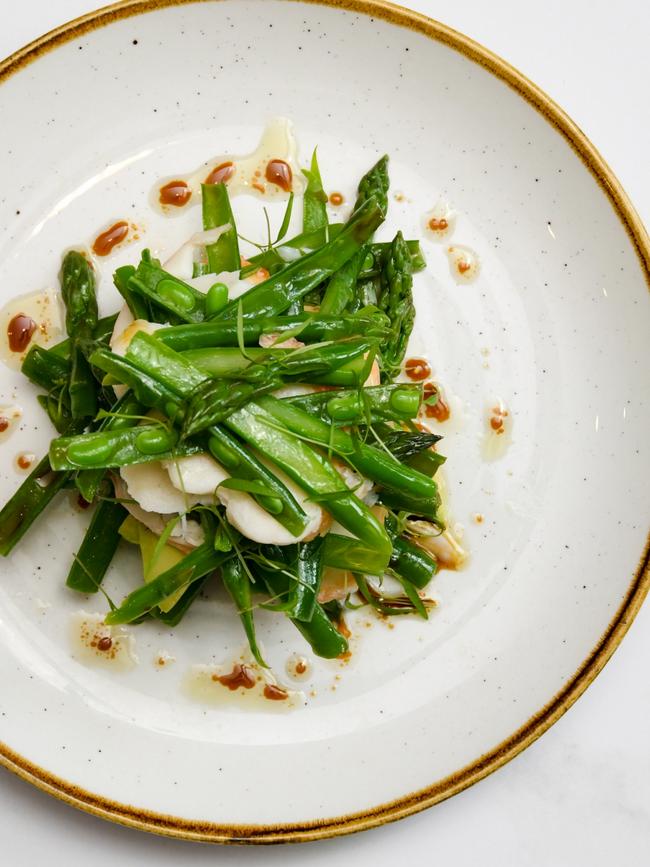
(555, 325)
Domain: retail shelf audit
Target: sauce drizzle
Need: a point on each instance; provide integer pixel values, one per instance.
(278, 172)
(221, 174)
(417, 369)
(106, 241)
(19, 332)
(440, 409)
(336, 199)
(275, 693)
(175, 193)
(240, 676)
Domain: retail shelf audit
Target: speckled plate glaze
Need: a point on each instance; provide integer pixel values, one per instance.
(555, 325)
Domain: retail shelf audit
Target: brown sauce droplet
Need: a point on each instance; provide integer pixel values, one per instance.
(176, 193)
(499, 414)
(105, 242)
(301, 666)
(221, 174)
(4, 424)
(241, 675)
(417, 369)
(279, 173)
(105, 643)
(336, 199)
(19, 332)
(438, 225)
(440, 409)
(275, 693)
(25, 461)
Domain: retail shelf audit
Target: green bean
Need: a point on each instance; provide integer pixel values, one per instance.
(32, 497)
(412, 563)
(139, 306)
(45, 369)
(97, 549)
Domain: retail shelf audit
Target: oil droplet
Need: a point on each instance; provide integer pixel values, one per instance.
(95, 644)
(478, 518)
(440, 221)
(463, 262)
(298, 667)
(498, 431)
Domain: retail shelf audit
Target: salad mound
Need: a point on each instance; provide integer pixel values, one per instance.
(245, 421)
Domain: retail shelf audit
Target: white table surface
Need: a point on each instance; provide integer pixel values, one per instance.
(580, 795)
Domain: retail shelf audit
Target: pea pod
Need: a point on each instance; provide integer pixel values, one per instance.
(118, 448)
(156, 285)
(223, 255)
(399, 402)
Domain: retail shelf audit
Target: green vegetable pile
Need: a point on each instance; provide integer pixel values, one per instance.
(203, 384)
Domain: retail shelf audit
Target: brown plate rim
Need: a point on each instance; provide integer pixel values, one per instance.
(218, 833)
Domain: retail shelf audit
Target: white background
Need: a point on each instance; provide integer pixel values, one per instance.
(580, 795)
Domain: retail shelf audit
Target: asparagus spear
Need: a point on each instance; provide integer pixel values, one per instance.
(281, 290)
(78, 292)
(315, 199)
(374, 184)
(340, 289)
(97, 549)
(223, 255)
(396, 300)
(101, 334)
